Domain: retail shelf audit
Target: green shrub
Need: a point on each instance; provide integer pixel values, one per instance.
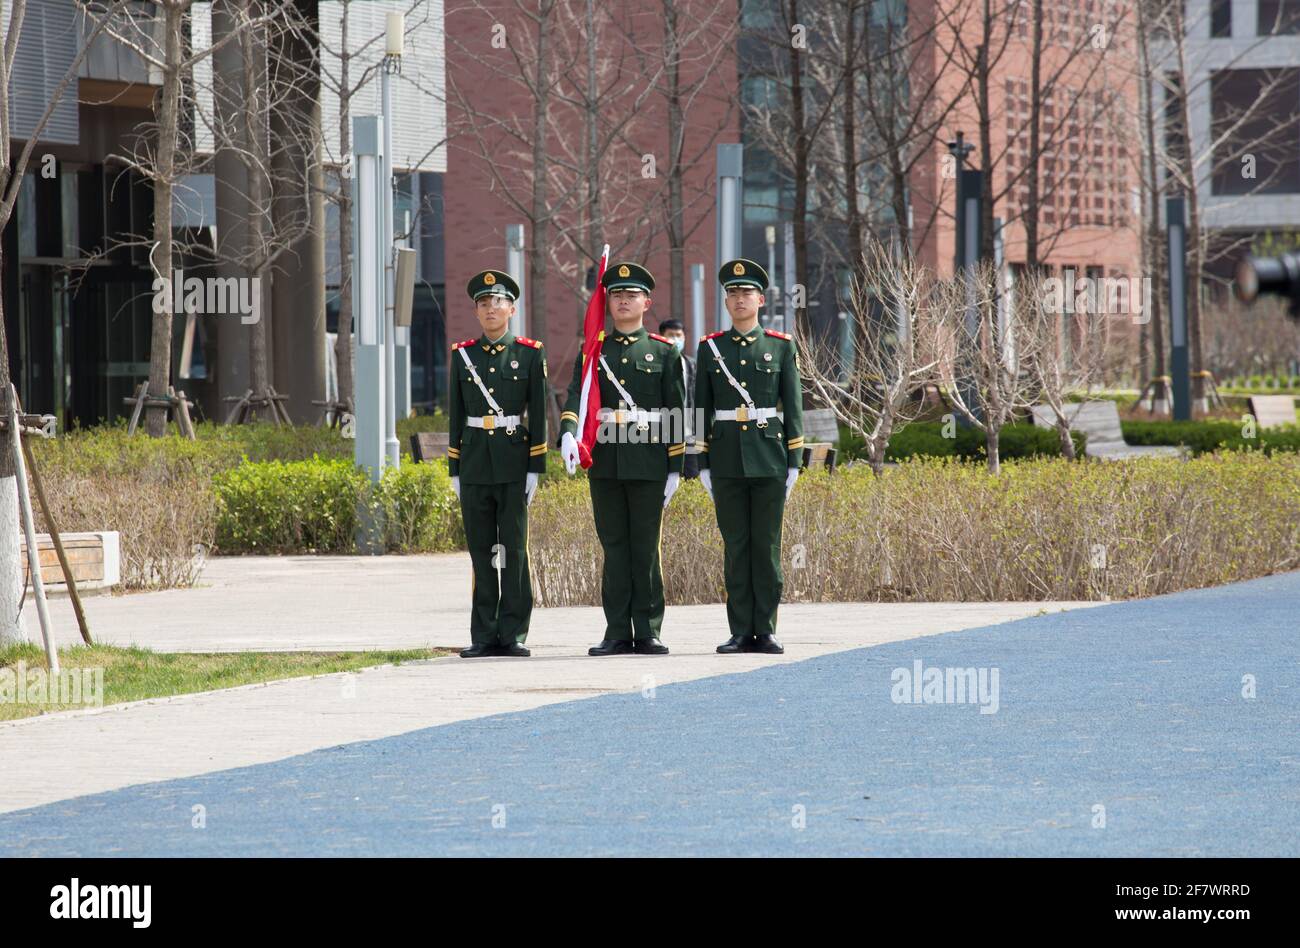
(312, 506)
(926, 439)
(420, 509)
(288, 507)
(1205, 436)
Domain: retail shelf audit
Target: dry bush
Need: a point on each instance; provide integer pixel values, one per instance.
(941, 530)
(166, 518)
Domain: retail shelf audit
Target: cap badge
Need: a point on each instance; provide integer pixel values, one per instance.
(738, 269)
(489, 279)
(767, 357)
(514, 363)
(624, 271)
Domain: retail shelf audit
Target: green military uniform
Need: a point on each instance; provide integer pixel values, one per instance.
(492, 453)
(748, 451)
(631, 460)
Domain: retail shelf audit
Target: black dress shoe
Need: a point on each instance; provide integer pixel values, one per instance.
(650, 646)
(513, 650)
(611, 647)
(736, 644)
(481, 650)
(767, 644)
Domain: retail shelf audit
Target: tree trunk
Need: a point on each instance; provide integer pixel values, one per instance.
(850, 156)
(1031, 209)
(539, 248)
(676, 140)
(255, 146)
(343, 343)
(992, 435)
(13, 628)
(298, 202)
(1067, 443)
(160, 343)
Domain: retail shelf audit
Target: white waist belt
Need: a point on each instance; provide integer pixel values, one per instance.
(492, 421)
(623, 415)
(744, 413)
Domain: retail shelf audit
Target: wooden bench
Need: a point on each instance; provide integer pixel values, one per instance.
(94, 559)
(1099, 420)
(819, 453)
(427, 445)
(1271, 411)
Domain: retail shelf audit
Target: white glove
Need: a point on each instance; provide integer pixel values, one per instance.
(790, 478)
(674, 480)
(530, 486)
(707, 480)
(455, 485)
(569, 452)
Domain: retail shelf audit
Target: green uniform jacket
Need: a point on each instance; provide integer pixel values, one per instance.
(764, 364)
(650, 368)
(514, 370)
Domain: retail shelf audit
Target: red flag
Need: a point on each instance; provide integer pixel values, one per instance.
(593, 336)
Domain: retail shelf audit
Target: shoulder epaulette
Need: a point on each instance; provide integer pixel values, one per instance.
(466, 342)
(530, 343)
(715, 335)
(656, 336)
(778, 334)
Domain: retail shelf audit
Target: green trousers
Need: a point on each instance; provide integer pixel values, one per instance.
(750, 511)
(496, 531)
(629, 516)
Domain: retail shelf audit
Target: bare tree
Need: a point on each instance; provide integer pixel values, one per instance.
(987, 374)
(12, 170)
(164, 152)
(1041, 323)
(896, 311)
(1243, 137)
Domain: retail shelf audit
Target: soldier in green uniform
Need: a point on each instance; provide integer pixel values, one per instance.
(750, 404)
(636, 461)
(494, 460)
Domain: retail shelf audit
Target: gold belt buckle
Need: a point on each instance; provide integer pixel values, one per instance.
(620, 416)
(742, 413)
(489, 422)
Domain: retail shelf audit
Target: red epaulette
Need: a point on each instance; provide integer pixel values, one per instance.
(715, 335)
(467, 342)
(655, 335)
(778, 333)
(525, 341)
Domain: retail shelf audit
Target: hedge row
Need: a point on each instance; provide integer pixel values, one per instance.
(927, 439)
(1204, 437)
(313, 507)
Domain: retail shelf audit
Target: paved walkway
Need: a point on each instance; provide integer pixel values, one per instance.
(1124, 730)
(374, 603)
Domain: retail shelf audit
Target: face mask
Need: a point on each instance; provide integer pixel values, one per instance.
(680, 343)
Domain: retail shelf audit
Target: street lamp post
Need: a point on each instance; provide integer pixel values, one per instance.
(393, 38)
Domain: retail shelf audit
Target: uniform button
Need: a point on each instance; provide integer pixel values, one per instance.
(624, 358)
(744, 385)
(493, 369)
(622, 381)
(742, 361)
(491, 390)
(491, 433)
(744, 427)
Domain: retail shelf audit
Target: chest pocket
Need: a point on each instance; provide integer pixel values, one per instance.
(766, 381)
(646, 381)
